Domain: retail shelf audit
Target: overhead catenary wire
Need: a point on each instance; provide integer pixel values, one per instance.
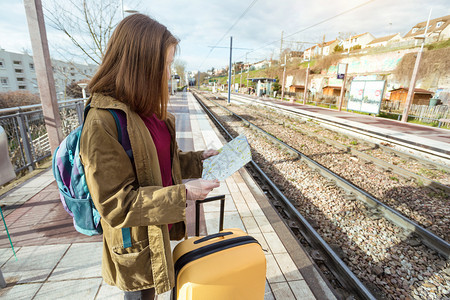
(315, 24)
(229, 29)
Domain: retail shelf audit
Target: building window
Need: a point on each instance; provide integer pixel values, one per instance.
(72, 74)
(17, 62)
(4, 81)
(414, 30)
(2, 63)
(18, 70)
(31, 66)
(64, 69)
(22, 87)
(438, 24)
(71, 69)
(20, 79)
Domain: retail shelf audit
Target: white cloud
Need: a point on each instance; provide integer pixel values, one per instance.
(200, 24)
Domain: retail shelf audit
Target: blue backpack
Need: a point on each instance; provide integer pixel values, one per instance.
(69, 174)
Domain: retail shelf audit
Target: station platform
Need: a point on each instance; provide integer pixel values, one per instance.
(56, 262)
(414, 138)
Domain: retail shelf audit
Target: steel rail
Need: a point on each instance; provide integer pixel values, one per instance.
(381, 137)
(381, 163)
(342, 272)
(427, 237)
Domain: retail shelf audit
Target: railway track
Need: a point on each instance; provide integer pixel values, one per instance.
(346, 193)
(373, 140)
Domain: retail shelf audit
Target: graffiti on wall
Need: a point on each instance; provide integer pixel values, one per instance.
(379, 63)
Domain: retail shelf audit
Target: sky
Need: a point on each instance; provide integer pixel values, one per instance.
(257, 30)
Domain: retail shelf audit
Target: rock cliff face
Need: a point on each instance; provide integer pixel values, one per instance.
(395, 67)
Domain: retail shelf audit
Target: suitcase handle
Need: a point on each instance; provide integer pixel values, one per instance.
(212, 236)
(197, 211)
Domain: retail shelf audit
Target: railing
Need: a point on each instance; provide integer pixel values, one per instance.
(27, 135)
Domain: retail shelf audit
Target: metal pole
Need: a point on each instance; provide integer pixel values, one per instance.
(306, 86)
(412, 84)
(341, 96)
(25, 141)
(284, 75)
(44, 72)
(281, 45)
(198, 79)
(229, 71)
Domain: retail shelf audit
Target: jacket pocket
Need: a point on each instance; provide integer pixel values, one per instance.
(133, 267)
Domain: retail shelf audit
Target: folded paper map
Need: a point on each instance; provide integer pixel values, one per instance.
(231, 158)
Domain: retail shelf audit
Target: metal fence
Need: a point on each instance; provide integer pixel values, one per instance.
(27, 135)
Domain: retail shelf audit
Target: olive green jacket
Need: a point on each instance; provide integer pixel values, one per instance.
(131, 195)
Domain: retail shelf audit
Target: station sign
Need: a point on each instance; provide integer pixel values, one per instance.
(341, 71)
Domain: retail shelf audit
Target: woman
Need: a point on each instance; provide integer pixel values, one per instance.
(145, 194)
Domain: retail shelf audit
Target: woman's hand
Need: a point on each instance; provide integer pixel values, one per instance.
(209, 153)
(198, 189)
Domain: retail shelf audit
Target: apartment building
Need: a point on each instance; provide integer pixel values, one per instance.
(17, 73)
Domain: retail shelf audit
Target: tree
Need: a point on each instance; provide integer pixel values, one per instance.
(73, 90)
(180, 68)
(276, 84)
(87, 23)
(338, 48)
(18, 98)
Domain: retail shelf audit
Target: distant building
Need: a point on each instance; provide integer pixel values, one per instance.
(17, 72)
(310, 53)
(320, 49)
(383, 41)
(328, 47)
(438, 29)
(261, 64)
(421, 96)
(330, 90)
(295, 88)
(361, 39)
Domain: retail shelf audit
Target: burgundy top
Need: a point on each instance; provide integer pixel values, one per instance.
(161, 138)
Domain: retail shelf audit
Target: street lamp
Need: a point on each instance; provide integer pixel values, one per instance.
(83, 87)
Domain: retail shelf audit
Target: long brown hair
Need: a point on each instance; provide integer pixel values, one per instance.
(134, 66)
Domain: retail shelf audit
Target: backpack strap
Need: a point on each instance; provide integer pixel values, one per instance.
(124, 140)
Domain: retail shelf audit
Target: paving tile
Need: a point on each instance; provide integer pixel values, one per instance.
(109, 292)
(80, 261)
(221, 190)
(273, 272)
(243, 209)
(301, 290)
(6, 254)
(260, 238)
(263, 223)
(268, 293)
(288, 267)
(19, 291)
(69, 289)
(184, 134)
(250, 225)
(231, 220)
(215, 205)
(232, 186)
(34, 263)
(276, 246)
(255, 209)
(164, 296)
(282, 291)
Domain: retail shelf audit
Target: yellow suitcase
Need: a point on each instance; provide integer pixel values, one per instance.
(229, 265)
